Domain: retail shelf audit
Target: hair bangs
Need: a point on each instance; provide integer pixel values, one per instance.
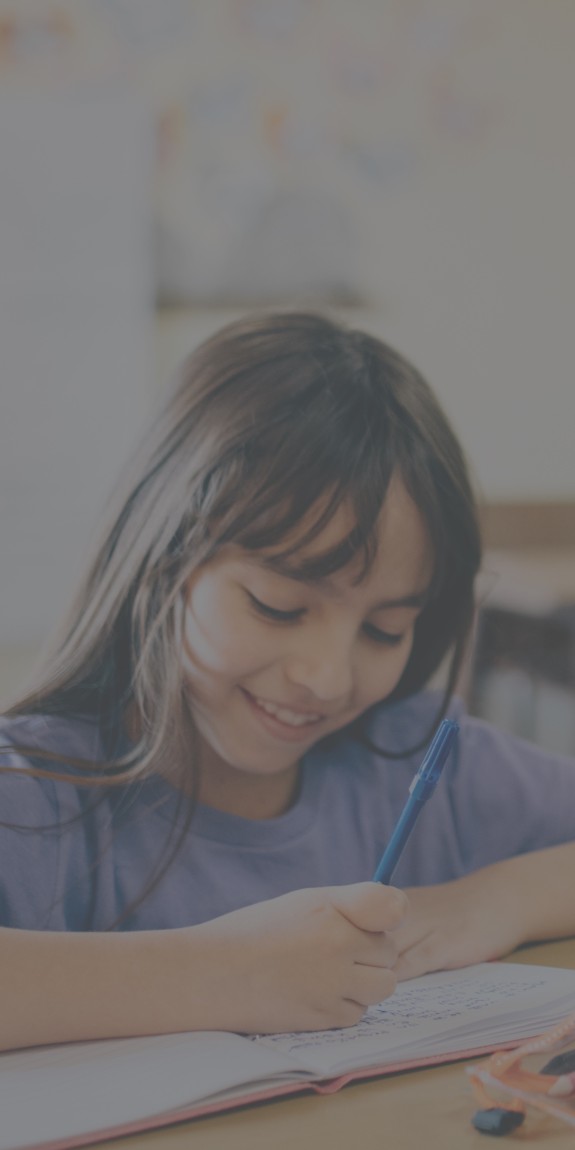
(289, 531)
(285, 486)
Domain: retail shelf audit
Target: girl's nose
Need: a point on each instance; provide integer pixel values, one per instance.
(323, 668)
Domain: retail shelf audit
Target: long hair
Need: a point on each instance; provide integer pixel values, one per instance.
(274, 416)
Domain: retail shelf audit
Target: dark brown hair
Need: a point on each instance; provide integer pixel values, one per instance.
(274, 416)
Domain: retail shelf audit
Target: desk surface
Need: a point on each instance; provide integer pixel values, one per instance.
(428, 1109)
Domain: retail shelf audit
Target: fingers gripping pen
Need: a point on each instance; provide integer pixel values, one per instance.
(422, 787)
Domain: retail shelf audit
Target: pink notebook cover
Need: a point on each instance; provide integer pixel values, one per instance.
(325, 1086)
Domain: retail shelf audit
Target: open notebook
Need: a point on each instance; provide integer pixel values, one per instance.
(63, 1096)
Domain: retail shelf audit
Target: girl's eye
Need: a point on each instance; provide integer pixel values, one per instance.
(385, 638)
(273, 612)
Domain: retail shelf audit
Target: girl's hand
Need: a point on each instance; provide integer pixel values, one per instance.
(473, 919)
(308, 960)
(305, 961)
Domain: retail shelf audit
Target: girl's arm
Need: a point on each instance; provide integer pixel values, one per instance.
(307, 960)
(488, 913)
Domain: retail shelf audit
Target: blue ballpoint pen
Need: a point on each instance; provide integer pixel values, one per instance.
(422, 787)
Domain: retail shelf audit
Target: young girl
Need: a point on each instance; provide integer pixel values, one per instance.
(197, 790)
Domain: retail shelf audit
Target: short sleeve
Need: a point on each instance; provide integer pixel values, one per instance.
(45, 873)
(509, 796)
(29, 848)
(498, 796)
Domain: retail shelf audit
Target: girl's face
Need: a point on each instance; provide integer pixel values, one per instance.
(272, 664)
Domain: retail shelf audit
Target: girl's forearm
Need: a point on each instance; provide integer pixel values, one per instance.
(541, 891)
(59, 987)
(303, 961)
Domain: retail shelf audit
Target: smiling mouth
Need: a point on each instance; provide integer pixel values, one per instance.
(285, 714)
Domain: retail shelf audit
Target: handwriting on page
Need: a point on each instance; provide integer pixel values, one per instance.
(416, 1006)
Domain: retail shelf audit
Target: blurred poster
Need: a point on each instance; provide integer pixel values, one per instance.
(284, 127)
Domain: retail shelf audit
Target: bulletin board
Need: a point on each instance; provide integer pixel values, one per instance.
(283, 126)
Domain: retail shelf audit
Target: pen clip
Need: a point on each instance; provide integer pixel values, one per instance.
(430, 770)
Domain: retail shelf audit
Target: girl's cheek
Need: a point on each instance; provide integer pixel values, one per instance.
(215, 634)
(384, 679)
(207, 612)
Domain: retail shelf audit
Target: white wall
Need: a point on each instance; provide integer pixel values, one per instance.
(76, 307)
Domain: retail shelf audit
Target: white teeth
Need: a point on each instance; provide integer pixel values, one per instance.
(287, 716)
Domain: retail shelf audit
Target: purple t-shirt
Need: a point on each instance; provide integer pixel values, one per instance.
(498, 796)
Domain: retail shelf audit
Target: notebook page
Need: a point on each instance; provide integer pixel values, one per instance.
(438, 1013)
(58, 1092)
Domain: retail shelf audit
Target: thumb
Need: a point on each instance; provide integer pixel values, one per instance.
(370, 905)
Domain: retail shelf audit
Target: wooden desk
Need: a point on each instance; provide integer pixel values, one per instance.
(417, 1110)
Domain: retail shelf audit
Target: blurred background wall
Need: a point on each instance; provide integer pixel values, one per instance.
(167, 164)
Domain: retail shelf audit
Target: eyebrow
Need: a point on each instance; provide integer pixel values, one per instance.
(324, 583)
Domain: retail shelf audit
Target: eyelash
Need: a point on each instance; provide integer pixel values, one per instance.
(384, 638)
(273, 613)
